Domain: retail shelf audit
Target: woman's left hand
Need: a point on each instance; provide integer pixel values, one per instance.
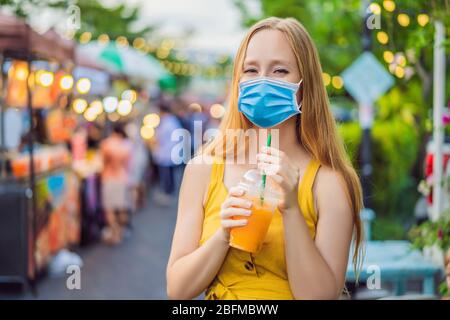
(277, 165)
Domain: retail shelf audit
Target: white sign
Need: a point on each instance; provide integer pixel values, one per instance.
(366, 79)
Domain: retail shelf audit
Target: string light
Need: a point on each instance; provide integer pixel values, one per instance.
(217, 111)
(388, 56)
(129, 95)
(389, 5)
(96, 106)
(66, 82)
(79, 105)
(121, 41)
(401, 60)
(90, 115)
(151, 120)
(337, 82)
(403, 19)
(423, 19)
(162, 53)
(110, 104)
(399, 72)
(147, 132)
(85, 37)
(326, 78)
(139, 43)
(44, 78)
(382, 37)
(375, 8)
(176, 68)
(124, 107)
(103, 38)
(83, 85)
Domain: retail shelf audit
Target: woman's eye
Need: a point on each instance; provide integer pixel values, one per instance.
(284, 71)
(249, 70)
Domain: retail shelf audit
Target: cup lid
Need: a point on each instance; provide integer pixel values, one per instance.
(252, 180)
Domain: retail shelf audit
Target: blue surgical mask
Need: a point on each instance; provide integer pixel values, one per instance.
(267, 102)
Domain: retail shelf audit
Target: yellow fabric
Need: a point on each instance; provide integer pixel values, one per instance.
(255, 276)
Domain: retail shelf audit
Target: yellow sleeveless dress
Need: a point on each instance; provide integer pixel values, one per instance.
(255, 276)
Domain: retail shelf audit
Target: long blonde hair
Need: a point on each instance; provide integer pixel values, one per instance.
(317, 128)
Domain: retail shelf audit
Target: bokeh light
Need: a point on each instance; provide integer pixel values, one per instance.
(129, 95)
(147, 132)
(403, 19)
(337, 82)
(151, 120)
(110, 104)
(79, 105)
(66, 82)
(217, 111)
(124, 107)
(83, 85)
(389, 5)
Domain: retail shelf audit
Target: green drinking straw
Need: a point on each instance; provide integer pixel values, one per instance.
(269, 140)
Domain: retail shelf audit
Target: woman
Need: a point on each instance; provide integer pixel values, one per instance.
(306, 250)
(115, 152)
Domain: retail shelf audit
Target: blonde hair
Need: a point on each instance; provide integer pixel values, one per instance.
(317, 128)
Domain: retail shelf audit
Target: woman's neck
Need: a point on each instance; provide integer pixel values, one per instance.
(287, 140)
(284, 136)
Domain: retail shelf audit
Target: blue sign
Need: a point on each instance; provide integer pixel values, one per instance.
(366, 79)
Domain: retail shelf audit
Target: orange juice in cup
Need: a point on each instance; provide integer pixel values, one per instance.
(251, 236)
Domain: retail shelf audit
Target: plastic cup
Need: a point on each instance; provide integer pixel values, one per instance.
(251, 236)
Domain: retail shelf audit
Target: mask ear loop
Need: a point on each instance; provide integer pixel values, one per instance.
(298, 119)
(299, 104)
(298, 134)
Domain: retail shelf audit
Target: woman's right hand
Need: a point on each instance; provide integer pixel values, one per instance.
(234, 205)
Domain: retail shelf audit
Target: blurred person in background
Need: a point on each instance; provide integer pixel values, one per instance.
(137, 166)
(116, 152)
(94, 135)
(161, 148)
(197, 118)
(181, 111)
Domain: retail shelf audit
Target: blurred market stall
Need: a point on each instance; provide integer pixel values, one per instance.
(37, 185)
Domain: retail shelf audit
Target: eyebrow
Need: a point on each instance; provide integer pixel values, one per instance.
(272, 62)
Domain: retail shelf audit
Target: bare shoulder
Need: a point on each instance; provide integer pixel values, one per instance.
(330, 189)
(199, 167)
(197, 174)
(329, 179)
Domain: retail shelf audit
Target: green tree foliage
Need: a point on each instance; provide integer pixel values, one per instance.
(115, 21)
(21, 8)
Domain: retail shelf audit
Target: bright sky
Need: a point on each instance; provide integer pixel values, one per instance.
(215, 23)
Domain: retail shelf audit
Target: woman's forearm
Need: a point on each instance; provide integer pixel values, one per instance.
(309, 275)
(188, 276)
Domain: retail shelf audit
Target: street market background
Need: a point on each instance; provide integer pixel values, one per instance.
(382, 67)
